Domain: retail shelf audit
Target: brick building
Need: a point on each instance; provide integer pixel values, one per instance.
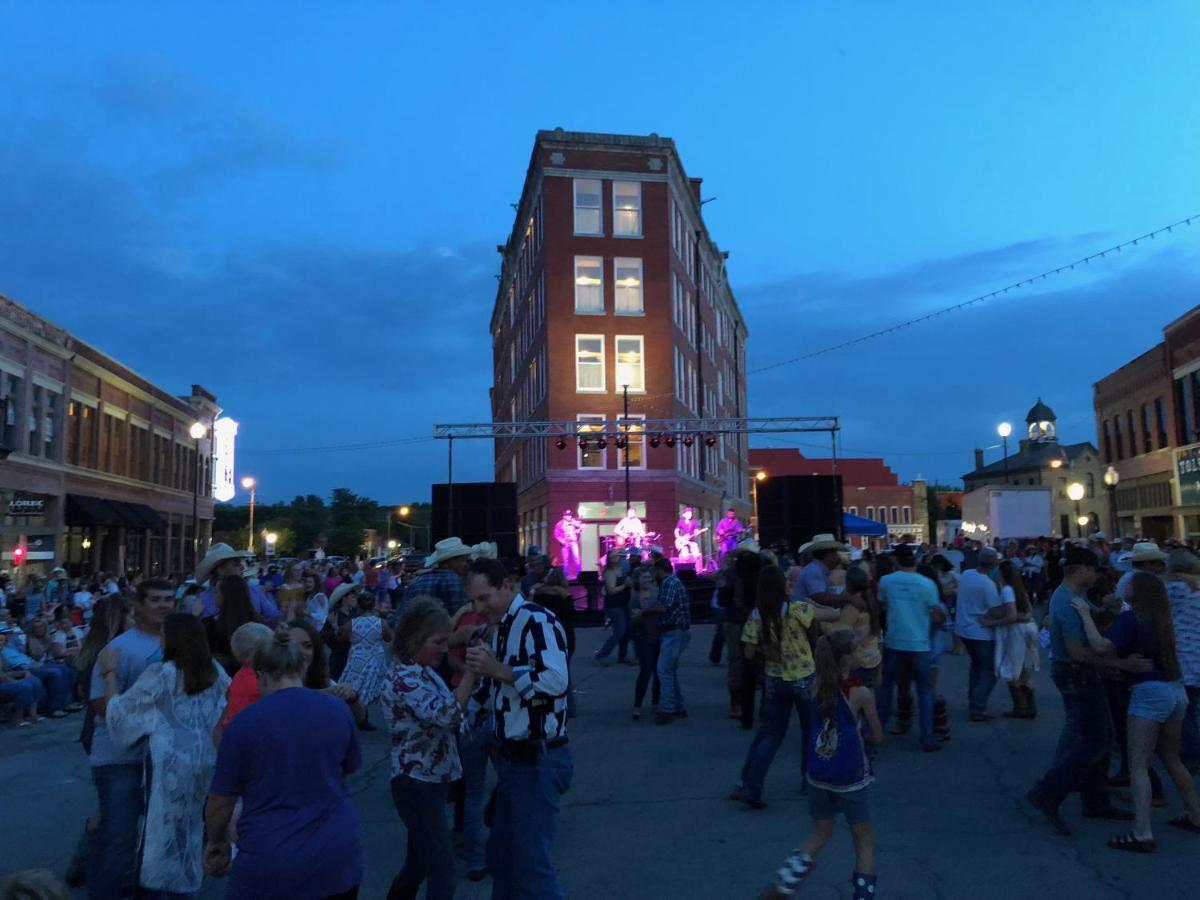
(99, 468)
(1148, 425)
(610, 274)
(869, 489)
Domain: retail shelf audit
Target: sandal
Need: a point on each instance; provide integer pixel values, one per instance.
(1131, 843)
(1185, 823)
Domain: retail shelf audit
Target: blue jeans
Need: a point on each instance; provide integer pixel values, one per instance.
(983, 673)
(521, 845)
(59, 682)
(24, 692)
(1189, 748)
(647, 656)
(670, 649)
(473, 749)
(779, 699)
(619, 615)
(718, 641)
(902, 666)
(430, 852)
(113, 856)
(1081, 758)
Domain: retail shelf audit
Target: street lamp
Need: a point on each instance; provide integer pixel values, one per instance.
(403, 512)
(197, 431)
(391, 545)
(1082, 522)
(1004, 430)
(1075, 491)
(249, 484)
(1111, 477)
(270, 537)
(624, 377)
(759, 476)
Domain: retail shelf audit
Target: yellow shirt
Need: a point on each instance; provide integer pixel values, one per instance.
(796, 654)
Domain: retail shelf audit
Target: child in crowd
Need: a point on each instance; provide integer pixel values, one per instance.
(243, 689)
(838, 771)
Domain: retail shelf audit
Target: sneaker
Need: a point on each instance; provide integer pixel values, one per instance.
(57, 714)
(1049, 812)
(739, 795)
(637, 713)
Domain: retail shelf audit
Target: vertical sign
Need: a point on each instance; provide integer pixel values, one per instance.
(224, 435)
(1187, 475)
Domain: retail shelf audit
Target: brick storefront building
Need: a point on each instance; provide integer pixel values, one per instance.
(610, 271)
(1148, 426)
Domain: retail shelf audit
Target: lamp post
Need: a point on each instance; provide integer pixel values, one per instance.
(760, 475)
(1004, 430)
(270, 537)
(1075, 491)
(624, 376)
(1111, 477)
(402, 513)
(1083, 523)
(250, 484)
(197, 431)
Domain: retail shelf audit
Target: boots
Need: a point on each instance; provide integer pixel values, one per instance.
(735, 705)
(904, 714)
(1030, 702)
(941, 719)
(1018, 702)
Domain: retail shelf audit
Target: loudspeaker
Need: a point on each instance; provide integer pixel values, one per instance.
(476, 512)
(792, 508)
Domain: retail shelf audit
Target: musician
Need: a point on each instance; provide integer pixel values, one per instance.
(686, 532)
(630, 532)
(567, 532)
(729, 532)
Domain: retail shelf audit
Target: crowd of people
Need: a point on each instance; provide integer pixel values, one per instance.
(223, 713)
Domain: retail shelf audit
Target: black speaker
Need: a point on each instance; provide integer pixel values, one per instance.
(477, 511)
(792, 508)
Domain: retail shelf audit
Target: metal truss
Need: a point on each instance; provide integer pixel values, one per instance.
(616, 426)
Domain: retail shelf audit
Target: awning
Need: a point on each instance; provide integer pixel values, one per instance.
(860, 527)
(82, 510)
(139, 515)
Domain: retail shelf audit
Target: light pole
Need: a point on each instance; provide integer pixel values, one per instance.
(402, 513)
(271, 537)
(1075, 491)
(197, 431)
(1004, 430)
(1083, 523)
(250, 484)
(624, 376)
(1111, 477)
(760, 475)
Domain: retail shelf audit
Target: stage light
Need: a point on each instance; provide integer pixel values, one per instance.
(710, 441)
(688, 440)
(670, 440)
(620, 443)
(655, 440)
(601, 443)
(583, 443)
(560, 444)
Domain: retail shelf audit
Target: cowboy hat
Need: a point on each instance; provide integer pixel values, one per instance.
(217, 554)
(446, 549)
(341, 591)
(749, 545)
(58, 570)
(1147, 551)
(1097, 536)
(822, 542)
(486, 550)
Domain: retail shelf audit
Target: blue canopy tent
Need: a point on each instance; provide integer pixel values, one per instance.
(857, 526)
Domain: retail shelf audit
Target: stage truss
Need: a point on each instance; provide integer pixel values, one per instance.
(615, 427)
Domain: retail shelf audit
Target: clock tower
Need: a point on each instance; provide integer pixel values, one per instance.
(1041, 423)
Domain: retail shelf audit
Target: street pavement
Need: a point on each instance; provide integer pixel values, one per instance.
(648, 815)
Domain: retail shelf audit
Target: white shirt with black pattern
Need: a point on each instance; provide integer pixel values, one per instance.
(531, 641)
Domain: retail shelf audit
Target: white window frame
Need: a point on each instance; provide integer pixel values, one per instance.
(641, 367)
(616, 210)
(626, 262)
(906, 515)
(599, 262)
(599, 207)
(640, 440)
(895, 515)
(603, 365)
(590, 417)
(871, 513)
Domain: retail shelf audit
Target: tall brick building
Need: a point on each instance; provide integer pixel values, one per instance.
(610, 273)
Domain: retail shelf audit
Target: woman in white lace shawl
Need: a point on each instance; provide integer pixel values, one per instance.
(176, 704)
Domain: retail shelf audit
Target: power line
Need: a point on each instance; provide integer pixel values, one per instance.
(1042, 276)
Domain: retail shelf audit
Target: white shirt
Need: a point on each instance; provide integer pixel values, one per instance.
(976, 594)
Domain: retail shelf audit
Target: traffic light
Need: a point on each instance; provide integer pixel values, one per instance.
(18, 554)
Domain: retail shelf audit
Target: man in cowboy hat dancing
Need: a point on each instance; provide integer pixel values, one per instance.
(444, 579)
(220, 562)
(813, 583)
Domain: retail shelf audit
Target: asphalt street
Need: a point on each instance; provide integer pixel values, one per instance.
(648, 814)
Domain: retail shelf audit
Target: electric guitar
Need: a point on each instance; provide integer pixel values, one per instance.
(688, 542)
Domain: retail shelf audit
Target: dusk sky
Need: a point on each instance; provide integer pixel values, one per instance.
(299, 209)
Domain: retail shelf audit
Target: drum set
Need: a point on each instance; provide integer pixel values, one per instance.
(643, 541)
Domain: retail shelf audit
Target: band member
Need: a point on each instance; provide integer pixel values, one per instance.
(630, 531)
(686, 532)
(729, 532)
(567, 532)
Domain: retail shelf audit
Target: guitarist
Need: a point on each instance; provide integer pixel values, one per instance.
(686, 532)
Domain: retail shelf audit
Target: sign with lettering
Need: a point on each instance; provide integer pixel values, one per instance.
(224, 436)
(609, 511)
(1187, 475)
(26, 505)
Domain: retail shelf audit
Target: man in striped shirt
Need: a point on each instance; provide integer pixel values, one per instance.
(527, 668)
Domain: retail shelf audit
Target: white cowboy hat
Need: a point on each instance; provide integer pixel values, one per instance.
(341, 591)
(1147, 551)
(217, 554)
(749, 545)
(486, 550)
(58, 570)
(1097, 536)
(447, 549)
(823, 542)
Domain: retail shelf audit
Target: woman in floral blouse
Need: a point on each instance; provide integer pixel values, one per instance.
(423, 716)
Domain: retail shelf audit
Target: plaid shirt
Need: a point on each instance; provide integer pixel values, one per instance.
(674, 596)
(444, 584)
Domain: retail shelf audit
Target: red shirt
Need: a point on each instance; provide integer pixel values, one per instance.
(469, 618)
(243, 691)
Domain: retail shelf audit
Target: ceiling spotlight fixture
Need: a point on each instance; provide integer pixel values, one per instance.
(710, 440)
(620, 443)
(655, 440)
(670, 440)
(601, 443)
(560, 444)
(688, 440)
(583, 443)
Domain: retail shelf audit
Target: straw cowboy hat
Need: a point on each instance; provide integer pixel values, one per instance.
(486, 550)
(217, 554)
(341, 591)
(447, 549)
(821, 542)
(1147, 551)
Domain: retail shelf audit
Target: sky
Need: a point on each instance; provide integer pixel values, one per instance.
(297, 205)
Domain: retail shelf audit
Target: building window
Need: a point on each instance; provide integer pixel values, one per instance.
(1160, 418)
(627, 208)
(871, 513)
(1090, 480)
(589, 363)
(590, 456)
(1147, 441)
(10, 400)
(631, 358)
(35, 421)
(627, 278)
(854, 510)
(636, 439)
(1117, 439)
(895, 516)
(588, 218)
(589, 284)
(1108, 457)
(1133, 450)
(907, 512)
